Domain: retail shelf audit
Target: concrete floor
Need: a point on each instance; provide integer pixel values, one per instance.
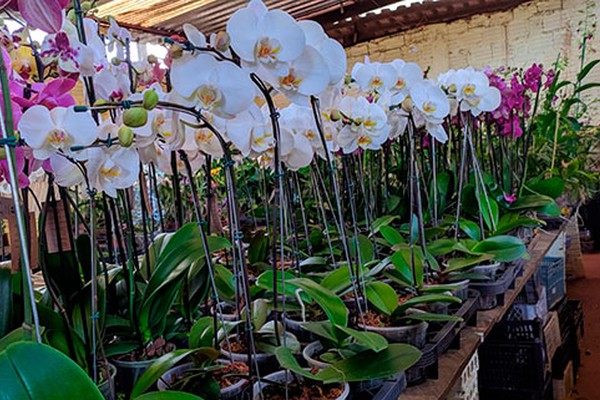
(588, 290)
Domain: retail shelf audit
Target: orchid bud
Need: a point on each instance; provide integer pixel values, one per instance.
(2, 154)
(222, 41)
(86, 6)
(71, 16)
(150, 99)
(135, 117)
(335, 115)
(407, 105)
(152, 59)
(116, 62)
(100, 103)
(126, 136)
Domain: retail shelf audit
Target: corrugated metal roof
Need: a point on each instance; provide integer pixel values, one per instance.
(349, 21)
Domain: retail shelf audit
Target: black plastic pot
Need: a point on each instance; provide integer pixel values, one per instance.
(415, 334)
(174, 374)
(492, 292)
(286, 376)
(266, 363)
(107, 388)
(128, 373)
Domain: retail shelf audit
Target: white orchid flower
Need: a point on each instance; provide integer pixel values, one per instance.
(307, 76)
(220, 87)
(112, 84)
(194, 36)
(66, 173)
(117, 38)
(431, 106)
(48, 132)
(251, 132)
(263, 38)
(475, 93)
(300, 121)
(408, 74)
(367, 127)
(374, 76)
(295, 150)
(112, 169)
(331, 50)
(205, 140)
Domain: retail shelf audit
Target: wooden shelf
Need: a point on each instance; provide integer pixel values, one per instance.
(451, 364)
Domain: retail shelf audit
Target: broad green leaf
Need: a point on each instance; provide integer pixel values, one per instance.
(165, 363)
(531, 201)
(550, 210)
(441, 247)
(511, 221)
(35, 371)
(427, 299)
(470, 228)
(119, 348)
(371, 340)
(391, 235)
(225, 282)
(368, 364)
(17, 335)
(383, 221)
(258, 247)
(552, 187)
(265, 281)
(489, 209)
(288, 361)
(337, 280)
(365, 247)
(322, 329)
(333, 306)
(458, 264)
(382, 296)
(403, 263)
(504, 248)
(313, 261)
(587, 69)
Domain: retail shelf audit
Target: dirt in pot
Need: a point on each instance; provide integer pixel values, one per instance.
(230, 374)
(303, 391)
(155, 349)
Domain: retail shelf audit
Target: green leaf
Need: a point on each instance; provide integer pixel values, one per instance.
(288, 361)
(333, 306)
(337, 280)
(119, 348)
(165, 363)
(489, 209)
(368, 364)
(365, 247)
(168, 395)
(258, 247)
(383, 221)
(531, 201)
(427, 299)
(382, 296)
(35, 371)
(313, 261)
(585, 87)
(391, 235)
(504, 248)
(371, 340)
(458, 264)
(550, 210)
(402, 261)
(429, 317)
(552, 187)
(225, 282)
(586, 70)
(441, 247)
(470, 228)
(202, 333)
(322, 329)
(18, 335)
(511, 221)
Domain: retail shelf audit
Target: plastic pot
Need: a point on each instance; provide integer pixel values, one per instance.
(295, 326)
(174, 374)
(312, 350)
(415, 334)
(128, 373)
(286, 376)
(107, 388)
(491, 270)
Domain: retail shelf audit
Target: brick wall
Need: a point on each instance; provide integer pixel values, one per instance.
(536, 31)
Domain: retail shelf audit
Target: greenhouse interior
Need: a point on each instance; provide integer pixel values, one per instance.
(295, 200)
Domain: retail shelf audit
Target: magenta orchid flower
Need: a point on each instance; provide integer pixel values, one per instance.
(23, 180)
(510, 198)
(46, 15)
(53, 94)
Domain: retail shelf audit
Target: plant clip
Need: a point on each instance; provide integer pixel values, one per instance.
(229, 163)
(239, 235)
(126, 104)
(10, 141)
(80, 108)
(96, 315)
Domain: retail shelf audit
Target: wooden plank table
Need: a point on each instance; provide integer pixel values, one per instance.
(452, 364)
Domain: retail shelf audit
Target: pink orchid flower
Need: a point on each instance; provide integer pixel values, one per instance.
(52, 94)
(23, 180)
(510, 198)
(46, 15)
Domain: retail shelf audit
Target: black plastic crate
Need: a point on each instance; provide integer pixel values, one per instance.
(390, 390)
(547, 393)
(552, 272)
(513, 358)
(568, 351)
(570, 318)
(492, 293)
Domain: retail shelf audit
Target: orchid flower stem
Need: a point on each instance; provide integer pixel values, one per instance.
(94, 284)
(435, 186)
(279, 198)
(461, 181)
(319, 204)
(303, 213)
(203, 237)
(6, 124)
(411, 202)
(336, 191)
